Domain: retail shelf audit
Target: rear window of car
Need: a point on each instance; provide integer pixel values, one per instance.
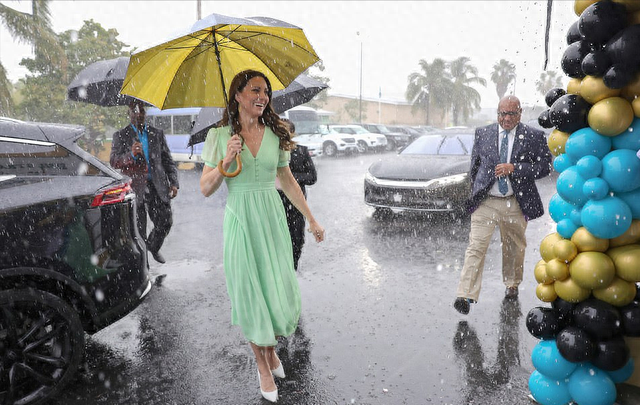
(440, 145)
(23, 157)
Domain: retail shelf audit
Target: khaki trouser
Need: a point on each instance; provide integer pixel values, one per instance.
(506, 215)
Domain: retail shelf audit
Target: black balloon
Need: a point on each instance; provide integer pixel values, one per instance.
(565, 309)
(631, 319)
(573, 33)
(543, 119)
(611, 355)
(601, 21)
(637, 298)
(553, 94)
(575, 345)
(598, 318)
(572, 59)
(543, 323)
(617, 77)
(569, 113)
(596, 63)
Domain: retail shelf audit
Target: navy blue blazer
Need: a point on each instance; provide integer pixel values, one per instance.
(530, 156)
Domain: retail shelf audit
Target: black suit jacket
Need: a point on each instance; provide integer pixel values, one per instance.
(302, 167)
(164, 172)
(530, 156)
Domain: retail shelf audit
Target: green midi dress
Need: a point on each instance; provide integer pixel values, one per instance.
(258, 260)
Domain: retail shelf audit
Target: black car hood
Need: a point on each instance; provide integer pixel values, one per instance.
(420, 167)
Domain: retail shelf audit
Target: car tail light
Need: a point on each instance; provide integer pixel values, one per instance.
(112, 195)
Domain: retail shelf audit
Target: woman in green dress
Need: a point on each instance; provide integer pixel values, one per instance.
(258, 265)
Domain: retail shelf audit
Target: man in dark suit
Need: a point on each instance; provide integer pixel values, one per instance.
(304, 171)
(141, 152)
(507, 158)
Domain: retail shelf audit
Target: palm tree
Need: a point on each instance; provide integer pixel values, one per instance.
(35, 29)
(464, 98)
(504, 72)
(429, 88)
(548, 80)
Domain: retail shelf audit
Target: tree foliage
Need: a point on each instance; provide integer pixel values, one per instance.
(430, 87)
(503, 74)
(320, 99)
(547, 81)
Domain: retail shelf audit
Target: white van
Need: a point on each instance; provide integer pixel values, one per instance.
(176, 124)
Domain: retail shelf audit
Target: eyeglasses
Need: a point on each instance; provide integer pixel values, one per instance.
(508, 113)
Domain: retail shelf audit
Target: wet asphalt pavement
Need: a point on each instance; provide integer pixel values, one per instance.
(377, 325)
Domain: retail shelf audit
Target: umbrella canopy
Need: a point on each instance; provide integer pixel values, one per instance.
(300, 91)
(195, 70)
(100, 83)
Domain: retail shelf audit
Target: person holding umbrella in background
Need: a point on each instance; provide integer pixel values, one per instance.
(304, 171)
(141, 152)
(258, 259)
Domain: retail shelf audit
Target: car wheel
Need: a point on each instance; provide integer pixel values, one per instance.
(391, 145)
(330, 149)
(381, 214)
(41, 346)
(362, 146)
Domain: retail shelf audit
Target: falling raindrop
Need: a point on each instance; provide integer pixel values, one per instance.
(99, 295)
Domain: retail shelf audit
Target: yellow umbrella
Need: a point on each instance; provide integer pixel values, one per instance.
(195, 70)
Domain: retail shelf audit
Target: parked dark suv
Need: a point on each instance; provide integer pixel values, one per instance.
(395, 139)
(71, 260)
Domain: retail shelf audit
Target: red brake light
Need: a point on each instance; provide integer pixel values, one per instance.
(112, 195)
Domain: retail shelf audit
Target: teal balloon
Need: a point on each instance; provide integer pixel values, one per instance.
(566, 228)
(589, 385)
(621, 169)
(585, 142)
(569, 186)
(629, 139)
(595, 188)
(547, 360)
(548, 391)
(589, 166)
(576, 217)
(561, 163)
(632, 198)
(607, 218)
(622, 374)
(559, 209)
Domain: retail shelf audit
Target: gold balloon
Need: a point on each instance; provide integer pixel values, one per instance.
(592, 270)
(580, 5)
(631, 5)
(632, 90)
(593, 89)
(540, 273)
(586, 242)
(619, 293)
(557, 269)
(635, 104)
(627, 261)
(556, 141)
(631, 235)
(611, 116)
(633, 18)
(546, 293)
(569, 291)
(573, 87)
(546, 246)
(565, 250)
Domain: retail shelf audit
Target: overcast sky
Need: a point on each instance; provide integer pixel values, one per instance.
(394, 35)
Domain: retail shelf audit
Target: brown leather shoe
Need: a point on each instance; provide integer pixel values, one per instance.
(511, 293)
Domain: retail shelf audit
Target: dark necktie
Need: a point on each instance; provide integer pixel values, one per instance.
(504, 153)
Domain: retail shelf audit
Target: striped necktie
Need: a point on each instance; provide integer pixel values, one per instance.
(504, 153)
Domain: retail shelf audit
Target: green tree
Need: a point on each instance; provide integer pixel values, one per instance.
(45, 87)
(34, 29)
(547, 81)
(429, 88)
(504, 72)
(352, 108)
(464, 98)
(321, 99)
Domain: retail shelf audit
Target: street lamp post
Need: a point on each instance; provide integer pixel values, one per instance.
(360, 99)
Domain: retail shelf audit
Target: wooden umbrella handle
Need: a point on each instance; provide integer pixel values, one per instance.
(231, 174)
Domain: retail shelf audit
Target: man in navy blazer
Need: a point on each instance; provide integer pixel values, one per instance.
(141, 152)
(507, 158)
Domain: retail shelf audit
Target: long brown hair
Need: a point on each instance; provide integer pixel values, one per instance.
(268, 117)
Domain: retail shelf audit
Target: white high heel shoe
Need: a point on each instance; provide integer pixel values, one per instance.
(271, 396)
(278, 372)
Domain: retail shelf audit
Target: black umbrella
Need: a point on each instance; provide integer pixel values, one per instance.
(300, 91)
(100, 83)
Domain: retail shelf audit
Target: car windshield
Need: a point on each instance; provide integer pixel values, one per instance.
(440, 145)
